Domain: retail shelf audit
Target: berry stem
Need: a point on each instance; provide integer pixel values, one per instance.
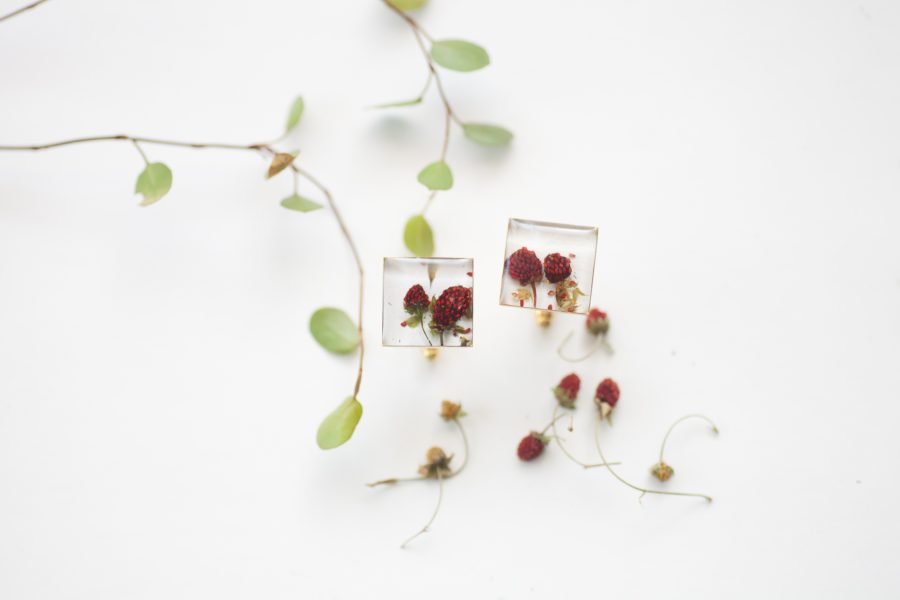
(534, 294)
(562, 355)
(643, 491)
(422, 325)
(262, 147)
(566, 451)
(19, 11)
(434, 515)
(662, 447)
(465, 461)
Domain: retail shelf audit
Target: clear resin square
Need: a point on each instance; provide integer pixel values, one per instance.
(548, 266)
(427, 302)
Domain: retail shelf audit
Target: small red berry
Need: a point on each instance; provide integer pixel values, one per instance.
(416, 299)
(557, 267)
(451, 306)
(402, 323)
(524, 266)
(608, 392)
(597, 322)
(531, 446)
(567, 390)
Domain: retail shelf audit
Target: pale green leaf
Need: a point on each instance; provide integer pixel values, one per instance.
(459, 55)
(334, 330)
(294, 114)
(408, 4)
(154, 182)
(300, 203)
(487, 135)
(436, 176)
(418, 237)
(338, 427)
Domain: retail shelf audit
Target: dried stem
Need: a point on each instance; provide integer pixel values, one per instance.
(19, 11)
(422, 324)
(662, 447)
(434, 515)
(465, 461)
(603, 342)
(566, 451)
(264, 147)
(643, 491)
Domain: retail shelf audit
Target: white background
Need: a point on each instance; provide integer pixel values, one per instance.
(159, 393)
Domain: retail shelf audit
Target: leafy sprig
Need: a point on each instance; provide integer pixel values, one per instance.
(436, 176)
(332, 328)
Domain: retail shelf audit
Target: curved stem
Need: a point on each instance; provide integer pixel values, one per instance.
(465, 461)
(662, 447)
(425, 333)
(561, 354)
(434, 515)
(19, 11)
(566, 451)
(631, 485)
(258, 147)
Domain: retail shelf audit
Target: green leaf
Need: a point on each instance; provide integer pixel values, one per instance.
(334, 330)
(487, 135)
(436, 176)
(294, 114)
(408, 4)
(459, 55)
(301, 204)
(418, 237)
(154, 182)
(399, 104)
(338, 427)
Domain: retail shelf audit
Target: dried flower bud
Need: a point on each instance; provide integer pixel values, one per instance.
(662, 471)
(450, 410)
(438, 463)
(597, 322)
(567, 390)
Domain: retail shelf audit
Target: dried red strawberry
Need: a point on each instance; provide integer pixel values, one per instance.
(524, 266)
(531, 446)
(606, 397)
(597, 322)
(557, 267)
(451, 306)
(567, 390)
(416, 299)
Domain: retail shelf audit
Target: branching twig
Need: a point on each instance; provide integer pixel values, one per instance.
(264, 147)
(19, 11)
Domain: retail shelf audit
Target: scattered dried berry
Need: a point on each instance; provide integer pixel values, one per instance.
(531, 446)
(597, 322)
(567, 390)
(437, 463)
(557, 267)
(450, 410)
(606, 397)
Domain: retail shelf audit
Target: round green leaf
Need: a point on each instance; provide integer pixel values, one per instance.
(338, 427)
(154, 182)
(294, 114)
(301, 204)
(334, 330)
(408, 4)
(487, 135)
(459, 55)
(418, 237)
(436, 176)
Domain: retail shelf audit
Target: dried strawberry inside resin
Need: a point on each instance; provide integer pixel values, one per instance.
(557, 267)
(525, 267)
(452, 305)
(416, 299)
